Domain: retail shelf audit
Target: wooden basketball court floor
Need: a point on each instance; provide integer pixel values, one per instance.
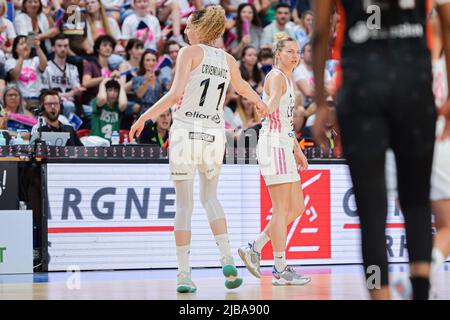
(343, 282)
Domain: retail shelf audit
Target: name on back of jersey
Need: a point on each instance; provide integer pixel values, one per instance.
(214, 71)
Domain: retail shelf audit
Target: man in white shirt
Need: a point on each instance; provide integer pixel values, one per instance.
(142, 25)
(282, 23)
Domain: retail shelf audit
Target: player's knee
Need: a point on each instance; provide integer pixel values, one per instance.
(183, 218)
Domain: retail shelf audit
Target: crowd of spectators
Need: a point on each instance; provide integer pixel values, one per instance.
(111, 60)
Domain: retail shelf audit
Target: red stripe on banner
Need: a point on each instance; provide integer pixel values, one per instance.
(111, 229)
(275, 159)
(388, 226)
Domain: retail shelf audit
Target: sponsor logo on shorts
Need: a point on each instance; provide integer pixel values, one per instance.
(201, 136)
(198, 115)
(179, 173)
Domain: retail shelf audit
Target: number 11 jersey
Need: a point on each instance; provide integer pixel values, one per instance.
(202, 102)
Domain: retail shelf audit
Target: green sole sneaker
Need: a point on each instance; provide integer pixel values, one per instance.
(232, 280)
(186, 289)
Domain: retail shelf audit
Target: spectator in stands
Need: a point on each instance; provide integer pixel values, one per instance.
(147, 87)
(304, 77)
(267, 12)
(2, 79)
(142, 25)
(75, 30)
(157, 133)
(281, 24)
(13, 104)
(63, 76)
(249, 69)
(25, 69)
(300, 129)
(245, 115)
(265, 58)
(304, 29)
(130, 68)
(110, 101)
(300, 7)
(98, 23)
(32, 19)
(171, 49)
(232, 6)
(51, 109)
(7, 33)
(169, 12)
(247, 18)
(113, 8)
(96, 71)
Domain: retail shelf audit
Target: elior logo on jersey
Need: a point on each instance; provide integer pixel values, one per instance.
(202, 116)
(309, 237)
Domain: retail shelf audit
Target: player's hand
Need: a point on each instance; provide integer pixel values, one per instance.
(300, 158)
(136, 129)
(322, 117)
(445, 111)
(262, 109)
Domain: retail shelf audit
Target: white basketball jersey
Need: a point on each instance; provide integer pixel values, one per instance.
(204, 95)
(281, 122)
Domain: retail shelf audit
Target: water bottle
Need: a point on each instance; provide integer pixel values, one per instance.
(19, 139)
(115, 138)
(125, 140)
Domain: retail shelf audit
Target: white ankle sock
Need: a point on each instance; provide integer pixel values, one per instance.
(280, 260)
(224, 247)
(260, 242)
(183, 258)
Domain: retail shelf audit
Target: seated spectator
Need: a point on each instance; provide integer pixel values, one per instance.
(232, 6)
(7, 33)
(13, 105)
(300, 7)
(248, 30)
(281, 24)
(63, 76)
(170, 13)
(130, 68)
(113, 8)
(51, 109)
(106, 108)
(99, 24)
(2, 78)
(157, 133)
(25, 69)
(98, 70)
(249, 69)
(75, 30)
(245, 115)
(265, 58)
(147, 87)
(141, 25)
(171, 49)
(304, 30)
(304, 77)
(32, 19)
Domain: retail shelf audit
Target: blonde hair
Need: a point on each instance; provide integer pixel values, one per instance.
(209, 23)
(243, 115)
(280, 40)
(105, 22)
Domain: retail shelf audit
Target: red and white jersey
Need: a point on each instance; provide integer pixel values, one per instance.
(204, 95)
(280, 124)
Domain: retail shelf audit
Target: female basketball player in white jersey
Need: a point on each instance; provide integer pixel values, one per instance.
(197, 136)
(279, 157)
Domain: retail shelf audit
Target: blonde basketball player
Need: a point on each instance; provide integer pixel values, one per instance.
(197, 136)
(279, 157)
